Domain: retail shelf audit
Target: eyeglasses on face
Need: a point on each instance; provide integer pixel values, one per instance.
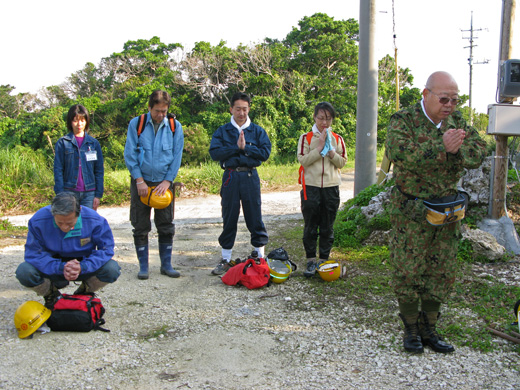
(446, 100)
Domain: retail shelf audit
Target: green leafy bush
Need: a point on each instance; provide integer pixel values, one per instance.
(351, 227)
(196, 144)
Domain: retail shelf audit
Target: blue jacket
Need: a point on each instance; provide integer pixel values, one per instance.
(154, 157)
(91, 239)
(224, 148)
(66, 165)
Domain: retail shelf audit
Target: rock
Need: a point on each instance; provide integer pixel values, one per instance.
(483, 243)
(377, 238)
(504, 231)
(376, 204)
(476, 183)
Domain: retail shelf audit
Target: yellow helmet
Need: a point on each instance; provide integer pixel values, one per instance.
(329, 270)
(29, 317)
(279, 270)
(156, 201)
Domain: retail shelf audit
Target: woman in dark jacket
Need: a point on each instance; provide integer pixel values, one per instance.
(78, 161)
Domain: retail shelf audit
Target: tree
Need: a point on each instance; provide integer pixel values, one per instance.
(387, 94)
(210, 72)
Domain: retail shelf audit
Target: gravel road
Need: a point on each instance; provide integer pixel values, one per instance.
(196, 333)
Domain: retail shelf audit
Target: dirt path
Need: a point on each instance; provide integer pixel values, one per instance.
(196, 333)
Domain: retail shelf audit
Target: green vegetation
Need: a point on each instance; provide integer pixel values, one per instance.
(351, 225)
(159, 332)
(316, 61)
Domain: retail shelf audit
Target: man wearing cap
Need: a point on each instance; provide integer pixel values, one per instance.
(67, 243)
(153, 158)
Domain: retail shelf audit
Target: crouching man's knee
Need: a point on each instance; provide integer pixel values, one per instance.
(110, 272)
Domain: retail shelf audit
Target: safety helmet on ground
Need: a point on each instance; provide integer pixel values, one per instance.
(329, 270)
(157, 202)
(279, 270)
(517, 313)
(29, 317)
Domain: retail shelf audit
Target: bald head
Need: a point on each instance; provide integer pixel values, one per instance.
(441, 80)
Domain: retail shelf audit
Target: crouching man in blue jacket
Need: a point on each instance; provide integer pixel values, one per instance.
(67, 242)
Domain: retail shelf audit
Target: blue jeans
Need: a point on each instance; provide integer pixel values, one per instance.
(29, 276)
(86, 198)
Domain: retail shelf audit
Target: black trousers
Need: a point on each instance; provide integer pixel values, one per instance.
(319, 213)
(140, 215)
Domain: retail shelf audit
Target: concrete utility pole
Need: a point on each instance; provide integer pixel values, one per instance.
(366, 127)
(470, 61)
(498, 208)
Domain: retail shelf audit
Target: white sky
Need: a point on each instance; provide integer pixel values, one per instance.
(43, 42)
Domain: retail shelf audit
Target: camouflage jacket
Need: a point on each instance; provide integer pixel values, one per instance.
(422, 167)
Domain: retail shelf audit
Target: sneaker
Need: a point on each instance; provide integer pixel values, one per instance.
(51, 298)
(310, 270)
(221, 267)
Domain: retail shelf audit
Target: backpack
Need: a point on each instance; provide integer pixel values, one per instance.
(77, 313)
(142, 120)
(301, 172)
(248, 273)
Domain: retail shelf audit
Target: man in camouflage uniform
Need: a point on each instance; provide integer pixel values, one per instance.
(429, 144)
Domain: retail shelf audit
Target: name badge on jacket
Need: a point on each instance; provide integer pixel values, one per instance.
(91, 155)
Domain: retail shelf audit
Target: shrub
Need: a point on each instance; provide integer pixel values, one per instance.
(351, 227)
(196, 144)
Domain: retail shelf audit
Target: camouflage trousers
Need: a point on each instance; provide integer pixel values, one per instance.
(423, 257)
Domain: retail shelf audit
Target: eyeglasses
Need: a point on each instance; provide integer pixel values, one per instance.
(446, 100)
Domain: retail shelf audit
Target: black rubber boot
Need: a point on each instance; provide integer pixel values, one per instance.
(411, 339)
(429, 335)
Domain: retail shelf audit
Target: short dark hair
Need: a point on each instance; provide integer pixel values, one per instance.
(159, 97)
(240, 96)
(77, 110)
(325, 106)
(65, 203)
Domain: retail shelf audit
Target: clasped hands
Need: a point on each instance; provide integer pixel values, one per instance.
(72, 269)
(453, 139)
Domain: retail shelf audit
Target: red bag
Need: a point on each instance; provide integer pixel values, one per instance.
(248, 273)
(77, 313)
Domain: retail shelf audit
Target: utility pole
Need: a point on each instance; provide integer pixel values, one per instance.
(366, 125)
(498, 208)
(470, 61)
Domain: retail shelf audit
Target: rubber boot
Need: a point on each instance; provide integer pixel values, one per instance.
(90, 285)
(411, 340)
(49, 292)
(142, 256)
(165, 253)
(429, 335)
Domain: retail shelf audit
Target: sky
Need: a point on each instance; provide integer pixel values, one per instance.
(44, 42)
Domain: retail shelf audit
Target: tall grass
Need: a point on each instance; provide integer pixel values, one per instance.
(27, 180)
(23, 166)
